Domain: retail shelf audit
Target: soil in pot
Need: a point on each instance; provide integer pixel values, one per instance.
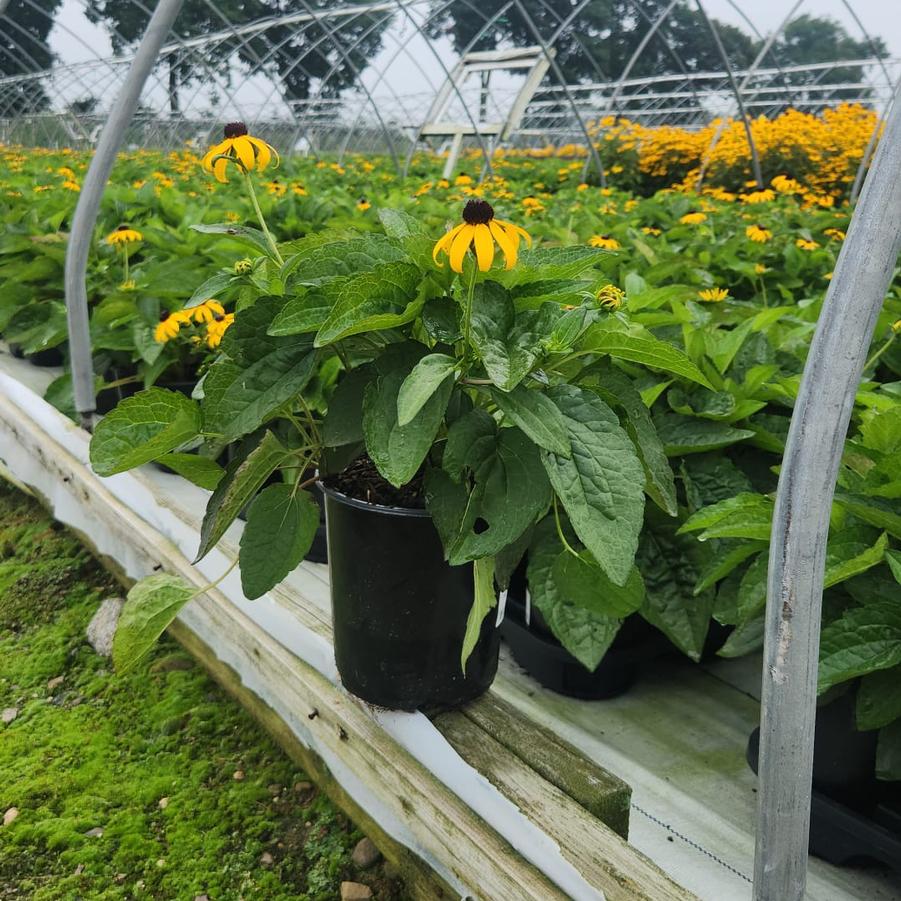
(854, 816)
(50, 356)
(399, 609)
(538, 652)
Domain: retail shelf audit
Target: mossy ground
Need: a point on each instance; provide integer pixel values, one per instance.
(98, 751)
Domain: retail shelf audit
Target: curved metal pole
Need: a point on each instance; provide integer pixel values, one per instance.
(89, 199)
(592, 150)
(801, 523)
(755, 158)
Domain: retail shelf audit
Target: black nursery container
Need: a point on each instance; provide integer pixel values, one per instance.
(538, 652)
(399, 609)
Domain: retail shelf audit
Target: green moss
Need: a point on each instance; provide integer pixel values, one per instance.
(100, 751)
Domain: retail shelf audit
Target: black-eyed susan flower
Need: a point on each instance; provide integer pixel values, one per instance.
(169, 325)
(124, 234)
(206, 311)
(764, 196)
(217, 328)
(239, 147)
(759, 234)
(694, 217)
(480, 229)
(713, 295)
(896, 326)
(605, 242)
(805, 244)
(462, 180)
(835, 233)
(363, 204)
(785, 185)
(759, 268)
(650, 230)
(610, 297)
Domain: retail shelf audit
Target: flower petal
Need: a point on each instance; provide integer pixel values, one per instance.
(505, 242)
(244, 150)
(444, 242)
(484, 246)
(212, 153)
(264, 154)
(461, 244)
(219, 169)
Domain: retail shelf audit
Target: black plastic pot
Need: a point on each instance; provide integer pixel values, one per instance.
(318, 552)
(50, 356)
(399, 609)
(854, 817)
(538, 652)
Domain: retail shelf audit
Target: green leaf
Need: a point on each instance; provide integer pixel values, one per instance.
(872, 510)
(252, 236)
(548, 263)
(441, 320)
(879, 699)
(747, 515)
(141, 428)
(201, 471)
(893, 558)
(244, 476)
(425, 379)
(343, 423)
(537, 415)
(398, 451)
(684, 435)
(882, 432)
(602, 485)
(863, 640)
(615, 388)
(583, 583)
(281, 525)
(508, 343)
(481, 514)
(210, 289)
(307, 310)
(888, 753)
(483, 601)
(389, 296)
(325, 256)
(638, 345)
(745, 639)
(398, 224)
(845, 559)
(729, 555)
(150, 607)
(237, 400)
(671, 565)
(586, 635)
(248, 340)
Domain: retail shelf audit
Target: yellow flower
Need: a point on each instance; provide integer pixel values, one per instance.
(243, 267)
(785, 185)
(124, 234)
(217, 328)
(582, 187)
(896, 326)
(764, 196)
(604, 241)
(693, 218)
(276, 188)
(206, 311)
(650, 230)
(610, 297)
(759, 268)
(169, 326)
(758, 234)
(836, 233)
(299, 190)
(240, 148)
(363, 204)
(232, 216)
(804, 244)
(481, 229)
(462, 180)
(70, 185)
(713, 295)
(129, 285)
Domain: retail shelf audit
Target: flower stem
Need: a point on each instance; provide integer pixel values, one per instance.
(875, 357)
(467, 314)
(256, 207)
(125, 250)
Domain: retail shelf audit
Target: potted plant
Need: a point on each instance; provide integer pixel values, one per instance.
(471, 402)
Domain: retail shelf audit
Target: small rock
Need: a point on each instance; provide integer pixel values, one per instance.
(275, 789)
(161, 862)
(355, 891)
(9, 714)
(301, 787)
(102, 627)
(201, 898)
(10, 815)
(238, 775)
(54, 683)
(79, 869)
(96, 832)
(120, 878)
(163, 803)
(266, 859)
(365, 854)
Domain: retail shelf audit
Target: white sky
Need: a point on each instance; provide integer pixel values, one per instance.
(74, 39)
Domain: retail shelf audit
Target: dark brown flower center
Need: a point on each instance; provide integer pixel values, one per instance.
(123, 228)
(235, 129)
(218, 317)
(164, 315)
(478, 212)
